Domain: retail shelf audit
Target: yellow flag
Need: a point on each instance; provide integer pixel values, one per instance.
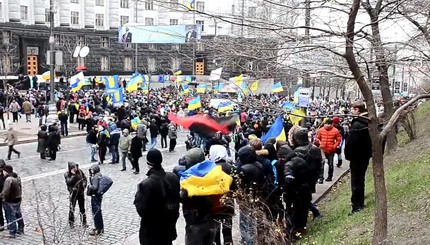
(238, 80)
(296, 119)
(254, 86)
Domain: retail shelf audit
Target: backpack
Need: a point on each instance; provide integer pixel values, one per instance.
(104, 185)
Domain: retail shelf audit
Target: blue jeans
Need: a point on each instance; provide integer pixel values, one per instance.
(248, 228)
(153, 143)
(13, 216)
(93, 151)
(123, 159)
(96, 208)
(115, 153)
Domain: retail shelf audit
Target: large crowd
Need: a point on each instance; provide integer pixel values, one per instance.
(278, 173)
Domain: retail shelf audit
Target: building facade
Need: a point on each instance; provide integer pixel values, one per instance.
(24, 36)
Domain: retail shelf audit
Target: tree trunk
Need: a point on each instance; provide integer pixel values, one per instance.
(380, 224)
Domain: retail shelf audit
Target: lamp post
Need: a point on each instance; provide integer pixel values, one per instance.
(52, 116)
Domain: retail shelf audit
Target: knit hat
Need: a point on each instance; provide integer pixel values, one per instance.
(154, 158)
(8, 169)
(336, 120)
(2, 163)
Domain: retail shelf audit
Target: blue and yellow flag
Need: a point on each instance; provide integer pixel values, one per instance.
(277, 87)
(135, 122)
(112, 82)
(191, 4)
(145, 89)
(134, 83)
(296, 119)
(276, 130)
(194, 103)
(185, 89)
(238, 80)
(205, 179)
(254, 86)
(177, 73)
(201, 88)
(225, 106)
(288, 105)
(77, 86)
(188, 79)
(116, 96)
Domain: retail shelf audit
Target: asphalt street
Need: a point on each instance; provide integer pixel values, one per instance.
(45, 196)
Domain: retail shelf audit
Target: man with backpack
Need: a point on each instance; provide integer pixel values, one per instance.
(99, 185)
(157, 203)
(76, 182)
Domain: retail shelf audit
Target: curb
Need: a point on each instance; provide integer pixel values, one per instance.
(32, 140)
(328, 190)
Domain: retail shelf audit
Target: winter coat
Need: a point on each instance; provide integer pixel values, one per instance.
(251, 171)
(172, 132)
(153, 130)
(329, 139)
(141, 130)
(53, 140)
(136, 147)
(358, 146)
(42, 140)
(77, 182)
(94, 180)
(12, 189)
(115, 136)
(164, 129)
(14, 107)
(124, 143)
(11, 137)
(26, 107)
(157, 203)
(310, 153)
(92, 137)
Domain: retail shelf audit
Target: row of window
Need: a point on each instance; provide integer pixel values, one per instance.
(149, 4)
(128, 63)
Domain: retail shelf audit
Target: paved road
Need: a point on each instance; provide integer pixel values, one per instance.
(45, 197)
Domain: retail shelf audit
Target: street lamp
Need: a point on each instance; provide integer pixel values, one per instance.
(52, 116)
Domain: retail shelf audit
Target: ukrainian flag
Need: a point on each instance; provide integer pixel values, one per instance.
(115, 96)
(276, 130)
(277, 87)
(145, 78)
(47, 75)
(296, 119)
(135, 122)
(201, 88)
(185, 89)
(244, 88)
(112, 82)
(288, 105)
(225, 106)
(205, 179)
(188, 79)
(177, 73)
(238, 80)
(194, 103)
(254, 86)
(190, 5)
(134, 82)
(145, 89)
(77, 86)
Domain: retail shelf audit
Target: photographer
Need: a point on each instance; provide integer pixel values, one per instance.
(96, 200)
(76, 182)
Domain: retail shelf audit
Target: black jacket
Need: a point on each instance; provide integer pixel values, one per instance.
(92, 137)
(75, 182)
(42, 140)
(251, 171)
(358, 145)
(157, 203)
(136, 147)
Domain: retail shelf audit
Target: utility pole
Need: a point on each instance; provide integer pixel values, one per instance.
(136, 49)
(243, 18)
(52, 117)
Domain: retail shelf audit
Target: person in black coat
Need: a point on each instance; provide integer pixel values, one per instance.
(164, 131)
(2, 179)
(157, 202)
(42, 140)
(297, 192)
(76, 182)
(136, 153)
(358, 150)
(54, 139)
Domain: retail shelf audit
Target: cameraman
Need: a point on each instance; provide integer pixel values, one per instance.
(96, 200)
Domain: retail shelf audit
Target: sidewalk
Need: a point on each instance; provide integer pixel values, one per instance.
(322, 190)
(27, 132)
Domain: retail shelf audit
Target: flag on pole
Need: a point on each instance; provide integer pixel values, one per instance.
(134, 82)
(112, 82)
(177, 73)
(201, 88)
(194, 103)
(276, 130)
(190, 5)
(277, 87)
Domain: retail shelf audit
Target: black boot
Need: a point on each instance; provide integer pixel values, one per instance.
(339, 163)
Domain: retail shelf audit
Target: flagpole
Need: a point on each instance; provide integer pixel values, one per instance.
(194, 42)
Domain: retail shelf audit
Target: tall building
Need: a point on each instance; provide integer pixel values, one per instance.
(24, 34)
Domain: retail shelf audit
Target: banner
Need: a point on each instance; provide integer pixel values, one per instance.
(159, 34)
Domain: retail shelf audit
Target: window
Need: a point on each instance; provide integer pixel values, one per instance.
(252, 11)
(173, 4)
(104, 63)
(201, 23)
(124, 20)
(104, 42)
(100, 2)
(24, 12)
(1, 10)
(149, 4)
(128, 45)
(74, 18)
(128, 64)
(82, 41)
(152, 46)
(200, 6)
(176, 47)
(200, 46)
(151, 64)
(74, 1)
(174, 22)
(149, 21)
(7, 37)
(47, 15)
(124, 4)
(100, 19)
(233, 9)
(176, 63)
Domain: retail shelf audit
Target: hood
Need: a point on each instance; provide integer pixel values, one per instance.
(217, 153)
(247, 154)
(71, 165)
(194, 156)
(95, 168)
(286, 152)
(112, 126)
(2, 163)
(301, 137)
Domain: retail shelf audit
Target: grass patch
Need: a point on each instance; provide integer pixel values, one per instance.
(408, 197)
